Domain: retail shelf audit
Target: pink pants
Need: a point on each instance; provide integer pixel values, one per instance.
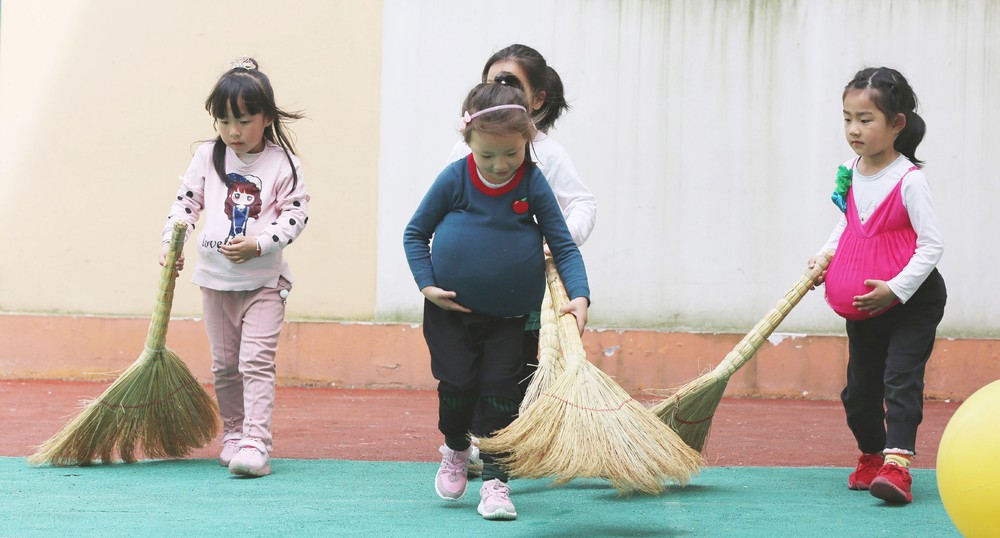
(243, 329)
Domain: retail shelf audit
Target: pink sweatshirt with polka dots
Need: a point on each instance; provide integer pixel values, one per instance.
(259, 200)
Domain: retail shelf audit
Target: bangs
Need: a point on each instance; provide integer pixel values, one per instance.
(230, 92)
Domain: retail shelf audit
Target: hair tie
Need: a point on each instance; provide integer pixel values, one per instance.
(467, 118)
(244, 62)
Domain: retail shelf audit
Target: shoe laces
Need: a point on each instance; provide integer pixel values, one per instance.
(869, 460)
(497, 489)
(452, 464)
(896, 471)
(250, 449)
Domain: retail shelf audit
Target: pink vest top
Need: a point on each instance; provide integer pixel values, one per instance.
(877, 249)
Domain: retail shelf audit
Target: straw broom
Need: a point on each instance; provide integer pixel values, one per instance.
(690, 409)
(586, 426)
(550, 362)
(156, 406)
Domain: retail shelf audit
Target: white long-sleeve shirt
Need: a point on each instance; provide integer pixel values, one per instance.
(283, 215)
(870, 191)
(579, 207)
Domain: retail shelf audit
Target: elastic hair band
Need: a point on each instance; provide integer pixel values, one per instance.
(244, 62)
(467, 118)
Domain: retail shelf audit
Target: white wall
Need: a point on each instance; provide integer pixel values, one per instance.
(710, 132)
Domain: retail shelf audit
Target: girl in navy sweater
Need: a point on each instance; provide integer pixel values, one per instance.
(487, 214)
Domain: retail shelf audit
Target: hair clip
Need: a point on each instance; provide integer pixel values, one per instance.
(244, 62)
(467, 118)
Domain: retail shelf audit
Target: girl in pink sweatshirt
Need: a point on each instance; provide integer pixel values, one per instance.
(248, 186)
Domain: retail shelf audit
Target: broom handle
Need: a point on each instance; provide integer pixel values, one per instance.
(752, 342)
(157, 335)
(569, 331)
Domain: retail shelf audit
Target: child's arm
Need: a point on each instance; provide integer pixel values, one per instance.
(417, 238)
(930, 241)
(292, 203)
(187, 206)
(565, 253)
(577, 203)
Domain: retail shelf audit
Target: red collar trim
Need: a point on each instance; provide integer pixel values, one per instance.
(490, 191)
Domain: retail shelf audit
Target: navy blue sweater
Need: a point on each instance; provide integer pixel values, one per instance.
(487, 244)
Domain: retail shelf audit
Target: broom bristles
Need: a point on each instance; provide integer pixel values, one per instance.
(586, 426)
(174, 415)
(689, 411)
(596, 432)
(156, 407)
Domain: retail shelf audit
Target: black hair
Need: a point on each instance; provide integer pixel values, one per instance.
(246, 84)
(893, 95)
(541, 78)
(499, 122)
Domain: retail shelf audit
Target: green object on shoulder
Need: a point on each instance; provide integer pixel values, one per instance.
(839, 197)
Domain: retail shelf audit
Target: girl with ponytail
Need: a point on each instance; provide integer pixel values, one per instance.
(883, 278)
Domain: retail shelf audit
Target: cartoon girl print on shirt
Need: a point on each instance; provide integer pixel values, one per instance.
(242, 203)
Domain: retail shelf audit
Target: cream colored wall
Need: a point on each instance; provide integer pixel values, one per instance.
(102, 106)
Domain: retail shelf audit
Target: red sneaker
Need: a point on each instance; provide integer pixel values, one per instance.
(893, 484)
(868, 468)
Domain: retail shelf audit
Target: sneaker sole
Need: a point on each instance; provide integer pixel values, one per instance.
(889, 493)
(256, 473)
(857, 486)
(499, 515)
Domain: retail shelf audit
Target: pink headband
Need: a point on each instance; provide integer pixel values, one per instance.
(467, 118)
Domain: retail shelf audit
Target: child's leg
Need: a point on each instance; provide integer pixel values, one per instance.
(500, 391)
(454, 363)
(222, 323)
(264, 314)
(863, 397)
(913, 333)
(529, 353)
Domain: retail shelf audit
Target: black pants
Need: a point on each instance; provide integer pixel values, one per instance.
(475, 359)
(884, 396)
(529, 363)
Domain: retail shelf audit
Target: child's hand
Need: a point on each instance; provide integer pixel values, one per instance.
(577, 307)
(240, 249)
(443, 299)
(179, 264)
(876, 300)
(810, 265)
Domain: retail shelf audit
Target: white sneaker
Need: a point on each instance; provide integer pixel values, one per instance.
(475, 462)
(252, 459)
(495, 503)
(230, 446)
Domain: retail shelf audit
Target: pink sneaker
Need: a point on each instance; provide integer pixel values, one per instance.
(230, 446)
(252, 459)
(451, 481)
(495, 503)
(868, 468)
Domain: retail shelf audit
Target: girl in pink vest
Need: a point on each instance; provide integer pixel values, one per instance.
(883, 278)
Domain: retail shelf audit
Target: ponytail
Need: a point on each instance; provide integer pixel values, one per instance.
(541, 77)
(910, 137)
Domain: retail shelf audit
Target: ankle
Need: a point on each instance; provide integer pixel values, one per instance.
(901, 460)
